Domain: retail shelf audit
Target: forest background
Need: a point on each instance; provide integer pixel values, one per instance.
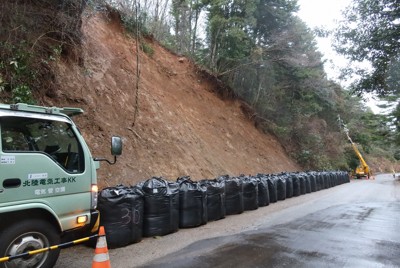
(261, 52)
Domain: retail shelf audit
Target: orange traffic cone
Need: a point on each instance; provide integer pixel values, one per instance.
(101, 258)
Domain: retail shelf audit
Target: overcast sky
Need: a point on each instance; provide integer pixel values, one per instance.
(326, 14)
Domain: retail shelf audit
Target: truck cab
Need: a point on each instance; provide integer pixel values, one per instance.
(48, 181)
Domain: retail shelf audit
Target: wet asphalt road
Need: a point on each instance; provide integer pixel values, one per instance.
(354, 235)
(360, 233)
(351, 225)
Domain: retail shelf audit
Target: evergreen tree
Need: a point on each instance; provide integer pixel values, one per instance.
(229, 26)
(370, 34)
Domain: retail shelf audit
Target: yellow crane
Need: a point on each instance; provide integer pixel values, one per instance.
(363, 169)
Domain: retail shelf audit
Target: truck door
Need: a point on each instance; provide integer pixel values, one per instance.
(44, 160)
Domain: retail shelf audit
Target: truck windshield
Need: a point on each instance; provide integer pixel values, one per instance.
(53, 138)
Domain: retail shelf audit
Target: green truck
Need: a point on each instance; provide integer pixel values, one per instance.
(48, 182)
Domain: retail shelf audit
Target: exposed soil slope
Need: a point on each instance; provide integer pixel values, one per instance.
(183, 127)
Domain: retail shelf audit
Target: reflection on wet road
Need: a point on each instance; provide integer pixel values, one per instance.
(359, 229)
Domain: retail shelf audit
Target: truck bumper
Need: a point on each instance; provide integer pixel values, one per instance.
(87, 230)
(94, 221)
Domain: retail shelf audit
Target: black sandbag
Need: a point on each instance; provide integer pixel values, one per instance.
(250, 193)
(121, 210)
(215, 199)
(313, 181)
(308, 183)
(331, 179)
(263, 194)
(289, 186)
(334, 179)
(302, 184)
(161, 207)
(321, 181)
(281, 188)
(318, 185)
(296, 185)
(192, 203)
(327, 181)
(337, 175)
(272, 189)
(340, 178)
(233, 196)
(346, 177)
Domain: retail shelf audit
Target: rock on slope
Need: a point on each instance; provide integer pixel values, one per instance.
(183, 127)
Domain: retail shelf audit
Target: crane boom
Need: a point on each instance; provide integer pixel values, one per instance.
(363, 169)
(364, 166)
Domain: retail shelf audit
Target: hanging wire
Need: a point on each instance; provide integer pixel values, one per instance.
(136, 111)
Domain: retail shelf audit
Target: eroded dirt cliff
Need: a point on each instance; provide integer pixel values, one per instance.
(183, 127)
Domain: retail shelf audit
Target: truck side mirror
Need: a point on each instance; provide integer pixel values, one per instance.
(116, 145)
(116, 149)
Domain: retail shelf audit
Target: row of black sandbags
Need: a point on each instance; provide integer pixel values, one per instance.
(157, 207)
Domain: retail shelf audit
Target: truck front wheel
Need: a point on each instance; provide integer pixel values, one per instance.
(25, 236)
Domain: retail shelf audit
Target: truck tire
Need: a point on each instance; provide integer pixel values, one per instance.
(29, 235)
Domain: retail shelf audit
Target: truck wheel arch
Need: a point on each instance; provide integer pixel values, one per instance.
(24, 214)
